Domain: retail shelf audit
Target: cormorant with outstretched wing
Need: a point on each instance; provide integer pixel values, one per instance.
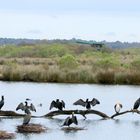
(57, 104)
(87, 103)
(69, 120)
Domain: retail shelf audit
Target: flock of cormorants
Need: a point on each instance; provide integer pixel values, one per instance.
(60, 105)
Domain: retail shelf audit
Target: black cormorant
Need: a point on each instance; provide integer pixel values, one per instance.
(87, 103)
(26, 107)
(69, 120)
(57, 104)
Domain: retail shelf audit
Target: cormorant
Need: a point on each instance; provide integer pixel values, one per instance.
(1, 102)
(87, 103)
(69, 120)
(27, 117)
(118, 107)
(136, 104)
(57, 104)
(25, 107)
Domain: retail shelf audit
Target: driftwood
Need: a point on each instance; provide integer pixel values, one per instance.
(69, 112)
(128, 111)
(81, 112)
(12, 114)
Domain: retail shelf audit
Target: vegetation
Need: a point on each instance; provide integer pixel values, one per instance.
(69, 63)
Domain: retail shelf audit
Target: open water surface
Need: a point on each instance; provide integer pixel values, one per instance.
(125, 127)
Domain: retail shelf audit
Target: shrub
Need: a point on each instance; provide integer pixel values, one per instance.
(68, 61)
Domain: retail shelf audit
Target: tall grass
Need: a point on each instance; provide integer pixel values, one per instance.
(69, 64)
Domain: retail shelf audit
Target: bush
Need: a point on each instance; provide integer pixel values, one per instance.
(68, 61)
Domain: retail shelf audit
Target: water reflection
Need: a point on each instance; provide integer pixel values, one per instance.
(136, 123)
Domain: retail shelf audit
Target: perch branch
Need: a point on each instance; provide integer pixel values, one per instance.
(81, 112)
(128, 111)
(12, 114)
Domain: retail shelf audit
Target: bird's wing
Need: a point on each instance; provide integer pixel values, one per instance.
(94, 102)
(115, 107)
(136, 104)
(20, 106)
(74, 119)
(53, 104)
(66, 121)
(1, 103)
(121, 105)
(80, 102)
(32, 107)
(63, 103)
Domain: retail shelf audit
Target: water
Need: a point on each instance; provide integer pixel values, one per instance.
(123, 127)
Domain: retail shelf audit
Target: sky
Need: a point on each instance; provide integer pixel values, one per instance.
(109, 20)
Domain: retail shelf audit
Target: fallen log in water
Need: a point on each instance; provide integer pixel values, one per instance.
(69, 112)
(128, 111)
(81, 112)
(12, 114)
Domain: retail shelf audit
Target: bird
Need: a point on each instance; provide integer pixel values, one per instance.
(118, 107)
(25, 107)
(1, 102)
(136, 104)
(57, 104)
(69, 120)
(87, 103)
(27, 118)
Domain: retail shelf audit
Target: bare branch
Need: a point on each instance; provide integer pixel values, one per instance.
(128, 111)
(81, 112)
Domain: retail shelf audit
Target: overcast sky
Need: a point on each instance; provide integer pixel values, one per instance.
(98, 20)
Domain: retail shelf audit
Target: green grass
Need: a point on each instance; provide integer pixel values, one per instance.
(69, 63)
